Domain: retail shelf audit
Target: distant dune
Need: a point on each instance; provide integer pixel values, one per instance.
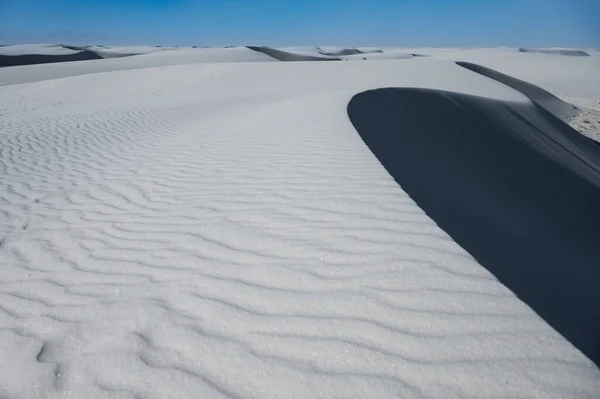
(341, 51)
(289, 56)
(31, 59)
(380, 56)
(330, 53)
(572, 53)
(31, 54)
(511, 183)
(538, 95)
(182, 56)
(42, 54)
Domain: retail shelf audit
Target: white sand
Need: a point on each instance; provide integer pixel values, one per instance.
(220, 230)
(34, 73)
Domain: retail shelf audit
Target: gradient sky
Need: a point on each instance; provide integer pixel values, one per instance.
(569, 23)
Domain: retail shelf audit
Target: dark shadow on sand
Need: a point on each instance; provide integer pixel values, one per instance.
(285, 56)
(510, 183)
(345, 52)
(32, 59)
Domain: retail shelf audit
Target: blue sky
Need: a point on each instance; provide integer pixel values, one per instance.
(572, 23)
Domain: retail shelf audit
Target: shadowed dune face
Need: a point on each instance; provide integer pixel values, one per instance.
(287, 56)
(349, 51)
(538, 95)
(511, 183)
(31, 59)
(17, 55)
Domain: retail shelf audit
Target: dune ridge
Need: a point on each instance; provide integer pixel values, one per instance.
(535, 93)
(289, 56)
(32, 59)
(511, 183)
(33, 73)
(32, 54)
(341, 51)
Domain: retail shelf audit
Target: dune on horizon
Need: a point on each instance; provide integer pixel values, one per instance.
(42, 54)
(568, 52)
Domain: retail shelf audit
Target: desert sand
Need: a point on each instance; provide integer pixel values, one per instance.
(218, 223)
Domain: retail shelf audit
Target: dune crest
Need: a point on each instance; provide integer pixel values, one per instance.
(512, 184)
(543, 98)
(289, 56)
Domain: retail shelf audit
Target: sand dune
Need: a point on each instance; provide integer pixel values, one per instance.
(220, 230)
(16, 55)
(42, 54)
(569, 52)
(312, 51)
(379, 56)
(35, 73)
(282, 55)
(30, 59)
(330, 53)
(37, 49)
(543, 98)
(338, 51)
(126, 51)
(581, 114)
(512, 184)
(341, 51)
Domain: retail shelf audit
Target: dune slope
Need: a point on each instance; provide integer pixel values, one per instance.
(512, 184)
(32, 59)
(538, 95)
(32, 54)
(290, 56)
(34, 73)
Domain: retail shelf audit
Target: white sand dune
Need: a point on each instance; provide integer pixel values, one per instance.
(328, 53)
(378, 56)
(312, 51)
(559, 51)
(543, 98)
(341, 51)
(221, 230)
(35, 73)
(294, 54)
(32, 54)
(63, 49)
(126, 51)
(333, 51)
(17, 55)
(562, 76)
(491, 173)
(36, 49)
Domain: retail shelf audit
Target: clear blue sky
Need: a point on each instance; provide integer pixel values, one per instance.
(574, 23)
